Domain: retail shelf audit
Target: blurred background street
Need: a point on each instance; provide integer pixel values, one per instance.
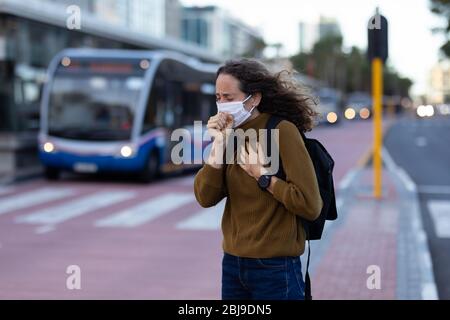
(91, 91)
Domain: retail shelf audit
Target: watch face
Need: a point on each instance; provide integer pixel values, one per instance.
(264, 181)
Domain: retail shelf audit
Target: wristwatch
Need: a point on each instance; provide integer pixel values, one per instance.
(264, 181)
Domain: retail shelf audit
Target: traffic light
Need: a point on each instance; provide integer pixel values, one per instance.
(377, 37)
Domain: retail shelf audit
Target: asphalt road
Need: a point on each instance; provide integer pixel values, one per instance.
(422, 148)
(127, 240)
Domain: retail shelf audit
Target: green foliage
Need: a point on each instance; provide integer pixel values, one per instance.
(442, 8)
(346, 71)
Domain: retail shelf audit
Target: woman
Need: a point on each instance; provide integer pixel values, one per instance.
(262, 238)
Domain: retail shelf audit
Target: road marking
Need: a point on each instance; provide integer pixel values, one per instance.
(348, 179)
(75, 208)
(205, 219)
(32, 198)
(434, 189)
(429, 291)
(421, 141)
(428, 283)
(401, 173)
(440, 213)
(146, 211)
(44, 229)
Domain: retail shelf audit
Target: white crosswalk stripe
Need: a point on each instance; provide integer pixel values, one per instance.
(440, 213)
(205, 219)
(147, 211)
(75, 208)
(32, 198)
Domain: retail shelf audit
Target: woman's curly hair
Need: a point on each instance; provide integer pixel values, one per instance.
(281, 95)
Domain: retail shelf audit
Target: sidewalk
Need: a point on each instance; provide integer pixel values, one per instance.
(373, 237)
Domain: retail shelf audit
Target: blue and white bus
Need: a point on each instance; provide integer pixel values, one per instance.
(114, 110)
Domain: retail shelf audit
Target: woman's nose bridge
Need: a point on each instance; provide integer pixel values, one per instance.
(219, 97)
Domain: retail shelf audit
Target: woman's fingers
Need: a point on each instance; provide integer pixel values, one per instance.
(220, 121)
(214, 124)
(229, 121)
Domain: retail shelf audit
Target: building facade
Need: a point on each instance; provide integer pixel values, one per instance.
(215, 29)
(310, 33)
(439, 83)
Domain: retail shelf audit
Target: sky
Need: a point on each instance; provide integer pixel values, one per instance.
(413, 48)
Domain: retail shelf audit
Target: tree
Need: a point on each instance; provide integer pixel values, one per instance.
(256, 49)
(442, 8)
(347, 72)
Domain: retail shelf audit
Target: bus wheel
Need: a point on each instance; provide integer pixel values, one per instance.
(51, 173)
(151, 171)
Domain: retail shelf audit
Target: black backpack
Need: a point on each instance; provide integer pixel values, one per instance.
(323, 166)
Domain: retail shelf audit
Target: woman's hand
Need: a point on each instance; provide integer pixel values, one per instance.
(218, 124)
(219, 127)
(252, 162)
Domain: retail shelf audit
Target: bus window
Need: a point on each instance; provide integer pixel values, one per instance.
(176, 97)
(94, 104)
(156, 104)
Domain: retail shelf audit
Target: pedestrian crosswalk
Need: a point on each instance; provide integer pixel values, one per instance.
(32, 198)
(75, 208)
(440, 214)
(49, 206)
(46, 207)
(204, 219)
(146, 211)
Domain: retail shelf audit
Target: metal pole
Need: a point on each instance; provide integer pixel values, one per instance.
(377, 92)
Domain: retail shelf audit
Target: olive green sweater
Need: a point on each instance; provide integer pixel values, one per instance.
(256, 223)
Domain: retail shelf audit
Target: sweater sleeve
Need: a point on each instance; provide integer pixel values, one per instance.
(209, 185)
(300, 192)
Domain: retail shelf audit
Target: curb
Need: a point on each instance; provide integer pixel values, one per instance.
(428, 283)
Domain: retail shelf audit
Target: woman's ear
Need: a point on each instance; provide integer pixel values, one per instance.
(256, 99)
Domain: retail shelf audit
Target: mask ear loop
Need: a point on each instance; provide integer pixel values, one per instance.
(245, 100)
(251, 110)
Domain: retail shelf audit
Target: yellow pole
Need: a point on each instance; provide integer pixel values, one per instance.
(377, 92)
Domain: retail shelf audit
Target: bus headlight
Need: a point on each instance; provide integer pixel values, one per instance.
(126, 151)
(48, 147)
(332, 117)
(350, 113)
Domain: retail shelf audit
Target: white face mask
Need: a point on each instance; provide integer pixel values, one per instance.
(236, 109)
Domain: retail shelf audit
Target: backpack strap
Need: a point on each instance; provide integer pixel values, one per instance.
(308, 295)
(272, 124)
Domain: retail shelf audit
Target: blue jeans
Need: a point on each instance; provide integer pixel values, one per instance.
(262, 279)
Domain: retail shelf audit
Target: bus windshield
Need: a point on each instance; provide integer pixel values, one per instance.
(93, 105)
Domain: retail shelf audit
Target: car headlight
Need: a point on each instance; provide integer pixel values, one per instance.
(349, 113)
(332, 117)
(429, 110)
(364, 113)
(421, 111)
(425, 111)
